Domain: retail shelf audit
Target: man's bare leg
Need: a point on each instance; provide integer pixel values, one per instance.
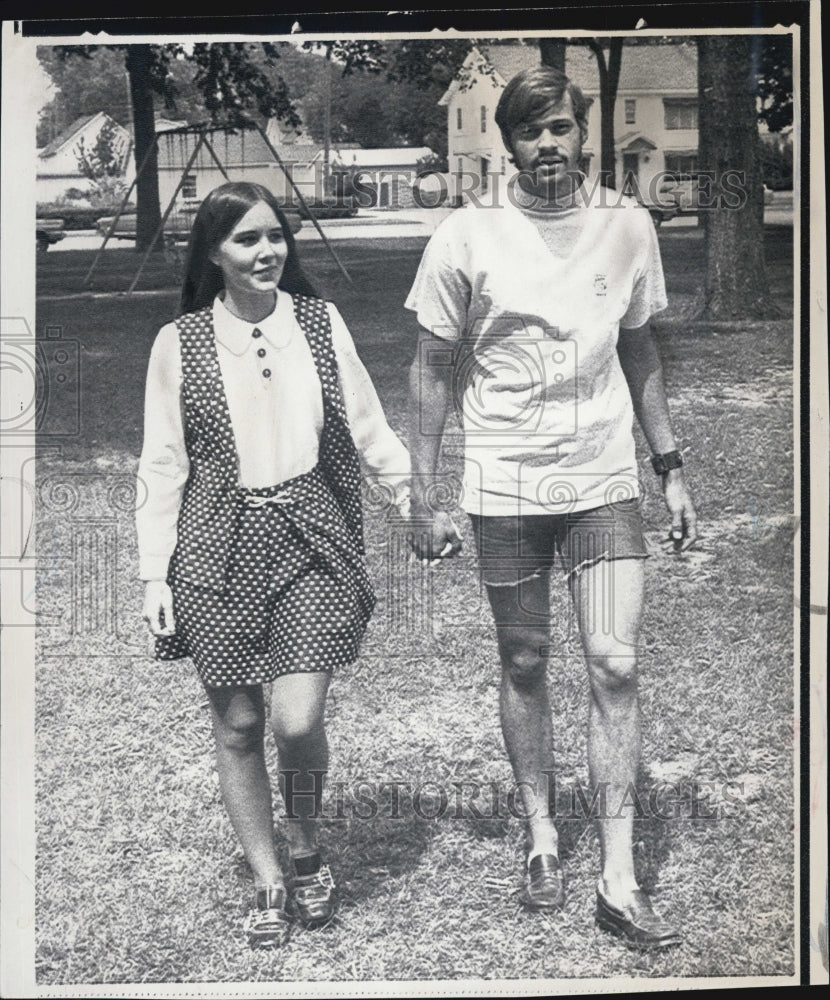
(522, 616)
(608, 598)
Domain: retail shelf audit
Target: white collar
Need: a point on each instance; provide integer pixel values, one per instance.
(236, 335)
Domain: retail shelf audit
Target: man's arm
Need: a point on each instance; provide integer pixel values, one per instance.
(430, 397)
(644, 373)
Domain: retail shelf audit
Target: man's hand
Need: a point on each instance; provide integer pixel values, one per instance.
(158, 608)
(434, 537)
(683, 531)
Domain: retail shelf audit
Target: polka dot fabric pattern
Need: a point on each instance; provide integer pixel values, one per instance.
(338, 456)
(298, 598)
(211, 515)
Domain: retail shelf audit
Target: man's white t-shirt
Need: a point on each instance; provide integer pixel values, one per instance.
(535, 300)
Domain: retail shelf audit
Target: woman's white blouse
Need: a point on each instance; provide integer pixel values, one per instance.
(277, 417)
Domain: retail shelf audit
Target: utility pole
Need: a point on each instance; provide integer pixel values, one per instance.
(129, 102)
(327, 120)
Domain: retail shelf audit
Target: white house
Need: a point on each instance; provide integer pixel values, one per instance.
(384, 176)
(655, 116)
(57, 163)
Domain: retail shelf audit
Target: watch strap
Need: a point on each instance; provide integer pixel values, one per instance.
(666, 462)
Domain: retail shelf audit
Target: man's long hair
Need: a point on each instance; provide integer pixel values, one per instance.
(220, 211)
(530, 93)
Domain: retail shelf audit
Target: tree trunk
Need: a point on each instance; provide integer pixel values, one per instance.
(148, 215)
(552, 52)
(735, 284)
(609, 78)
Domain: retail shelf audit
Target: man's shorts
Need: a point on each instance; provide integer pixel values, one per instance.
(512, 550)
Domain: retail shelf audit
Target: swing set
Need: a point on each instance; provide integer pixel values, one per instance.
(202, 131)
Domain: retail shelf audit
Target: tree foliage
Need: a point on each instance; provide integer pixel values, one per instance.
(234, 81)
(105, 157)
(772, 57)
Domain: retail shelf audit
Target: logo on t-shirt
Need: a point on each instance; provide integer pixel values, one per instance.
(600, 284)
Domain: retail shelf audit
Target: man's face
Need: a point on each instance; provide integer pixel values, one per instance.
(549, 147)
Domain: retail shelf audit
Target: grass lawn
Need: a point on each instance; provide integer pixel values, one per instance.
(139, 878)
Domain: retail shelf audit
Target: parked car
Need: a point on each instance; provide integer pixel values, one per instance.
(47, 232)
(327, 208)
(176, 228)
(661, 213)
(684, 190)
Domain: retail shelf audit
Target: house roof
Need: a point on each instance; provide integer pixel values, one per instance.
(233, 148)
(644, 68)
(69, 133)
(508, 60)
(394, 156)
(633, 141)
(167, 125)
(647, 68)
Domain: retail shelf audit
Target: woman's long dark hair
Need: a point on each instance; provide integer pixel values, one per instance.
(217, 215)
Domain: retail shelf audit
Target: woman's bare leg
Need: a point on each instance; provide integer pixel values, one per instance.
(298, 704)
(239, 729)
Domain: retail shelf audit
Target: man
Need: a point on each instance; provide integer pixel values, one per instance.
(535, 313)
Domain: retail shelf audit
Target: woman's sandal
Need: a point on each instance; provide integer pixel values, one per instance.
(312, 895)
(268, 923)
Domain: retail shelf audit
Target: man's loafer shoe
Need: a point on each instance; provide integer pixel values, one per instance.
(544, 887)
(636, 923)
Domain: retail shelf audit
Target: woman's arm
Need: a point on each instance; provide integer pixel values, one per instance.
(380, 448)
(162, 472)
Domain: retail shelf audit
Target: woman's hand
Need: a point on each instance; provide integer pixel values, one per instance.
(435, 537)
(158, 608)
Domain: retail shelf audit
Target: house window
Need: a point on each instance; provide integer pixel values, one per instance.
(681, 163)
(483, 118)
(189, 186)
(630, 112)
(680, 114)
(458, 118)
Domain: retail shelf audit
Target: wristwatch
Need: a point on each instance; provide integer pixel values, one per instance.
(665, 463)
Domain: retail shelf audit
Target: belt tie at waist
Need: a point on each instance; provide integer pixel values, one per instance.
(252, 500)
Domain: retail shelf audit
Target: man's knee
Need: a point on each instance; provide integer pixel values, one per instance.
(524, 660)
(613, 671)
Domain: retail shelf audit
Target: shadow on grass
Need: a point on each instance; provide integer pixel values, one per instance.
(575, 817)
(372, 852)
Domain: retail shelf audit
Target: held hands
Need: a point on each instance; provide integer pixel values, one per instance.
(158, 608)
(434, 537)
(683, 533)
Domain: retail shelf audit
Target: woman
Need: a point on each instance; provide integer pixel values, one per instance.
(250, 533)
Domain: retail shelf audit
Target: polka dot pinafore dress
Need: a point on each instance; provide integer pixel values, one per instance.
(265, 581)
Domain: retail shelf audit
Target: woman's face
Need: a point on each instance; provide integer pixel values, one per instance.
(253, 254)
